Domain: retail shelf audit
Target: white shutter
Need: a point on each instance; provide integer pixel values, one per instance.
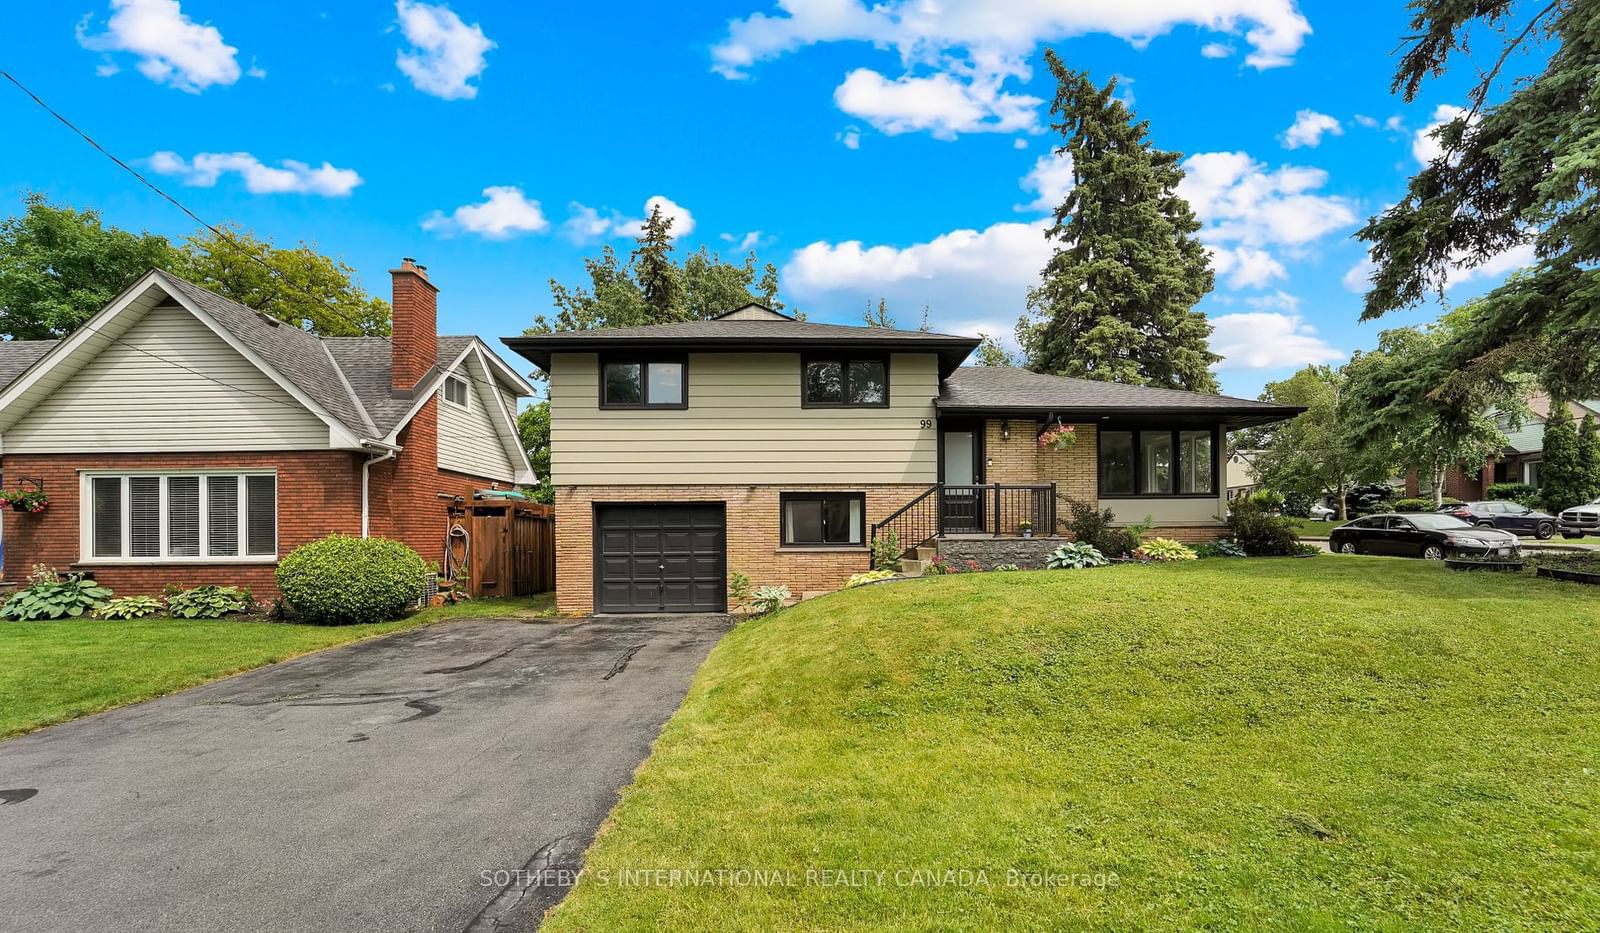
(183, 516)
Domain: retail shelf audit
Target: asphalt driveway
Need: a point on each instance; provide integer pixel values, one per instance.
(446, 778)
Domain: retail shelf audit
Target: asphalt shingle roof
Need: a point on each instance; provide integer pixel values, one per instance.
(17, 355)
(365, 361)
(997, 388)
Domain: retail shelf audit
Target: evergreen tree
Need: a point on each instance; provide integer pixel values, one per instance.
(1589, 456)
(660, 282)
(1511, 172)
(990, 353)
(1117, 298)
(1562, 482)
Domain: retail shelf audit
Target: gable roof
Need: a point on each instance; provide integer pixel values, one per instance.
(1007, 389)
(17, 355)
(732, 333)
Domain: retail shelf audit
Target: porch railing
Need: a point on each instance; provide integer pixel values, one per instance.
(987, 508)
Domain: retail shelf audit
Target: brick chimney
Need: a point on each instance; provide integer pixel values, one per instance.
(414, 344)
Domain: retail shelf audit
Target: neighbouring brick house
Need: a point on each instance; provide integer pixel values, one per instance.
(778, 448)
(1518, 462)
(183, 438)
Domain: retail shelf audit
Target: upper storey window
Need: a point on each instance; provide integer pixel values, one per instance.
(837, 382)
(636, 383)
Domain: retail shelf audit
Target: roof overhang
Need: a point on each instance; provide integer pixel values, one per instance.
(950, 350)
(1231, 419)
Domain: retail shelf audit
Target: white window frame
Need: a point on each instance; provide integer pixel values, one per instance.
(86, 553)
(466, 391)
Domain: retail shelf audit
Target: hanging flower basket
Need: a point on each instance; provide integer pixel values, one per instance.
(25, 500)
(1058, 437)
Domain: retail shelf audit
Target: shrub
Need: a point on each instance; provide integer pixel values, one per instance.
(1093, 526)
(1163, 550)
(1226, 547)
(129, 607)
(871, 576)
(769, 598)
(1075, 555)
(1297, 504)
(1267, 500)
(53, 597)
(346, 581)
(1512, 492)
(1260, 534)
(738, 588)
(886, 552)
(207, 602)
(1413, 505)
(1005, 568)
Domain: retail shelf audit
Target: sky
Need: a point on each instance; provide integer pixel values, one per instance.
(897, 150)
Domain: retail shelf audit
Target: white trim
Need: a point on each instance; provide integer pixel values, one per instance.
(422, 398)
(466, 391)
(520, 465)
(86, 555)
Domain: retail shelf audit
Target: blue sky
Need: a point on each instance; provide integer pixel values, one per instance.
(892, 151)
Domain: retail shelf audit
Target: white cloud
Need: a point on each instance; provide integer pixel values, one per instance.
(941, 104)
(505, 212)
(1019, 143)
(1050, 179)
(746, 243)
(1423, 146)
(850, 136)
(448, 53)
(1216, 50)
(1370, 123)
(1268, 340)
(586, 224)
(1279, 300)
(171, 48)
(1358, 277)
(287, 177)
(1244, 267)
(1244, 204)
(1308, 128)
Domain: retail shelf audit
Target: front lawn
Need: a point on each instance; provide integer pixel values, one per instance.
(55, 671)
(1319, 743)
(1314, 528)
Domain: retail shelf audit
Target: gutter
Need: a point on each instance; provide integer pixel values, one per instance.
(380, 452)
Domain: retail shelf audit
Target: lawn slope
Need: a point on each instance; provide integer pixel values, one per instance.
(1288, 743)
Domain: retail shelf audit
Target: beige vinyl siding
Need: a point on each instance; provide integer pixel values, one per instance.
(199, 395)
(473, 440)
(744, 424)
(1168, 510)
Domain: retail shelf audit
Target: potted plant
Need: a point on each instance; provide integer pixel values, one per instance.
(1058, 437)
(1025, 527)
(25, 500)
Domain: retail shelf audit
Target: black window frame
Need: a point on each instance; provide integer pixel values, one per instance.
(1138, 461)
(844, 360)
(784, 498)
(643, 363)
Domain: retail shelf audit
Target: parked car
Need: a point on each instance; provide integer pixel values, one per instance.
(1581, 520)
(1506, 516)
(1321, 513)
(1421, 534)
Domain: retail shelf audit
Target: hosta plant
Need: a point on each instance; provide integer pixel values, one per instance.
(871, 576)
(768, 598)
(1164, 549)
(129, 607)
(1006, 567)
(1075, 555)
(52, 597)
(208, 602)
(1226, 547)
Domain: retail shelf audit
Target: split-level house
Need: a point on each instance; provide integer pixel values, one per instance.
(183, 438)
(781, 449)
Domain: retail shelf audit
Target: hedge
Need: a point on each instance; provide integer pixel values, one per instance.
(346, 581)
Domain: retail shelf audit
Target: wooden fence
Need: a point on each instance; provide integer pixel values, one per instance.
(513, 549)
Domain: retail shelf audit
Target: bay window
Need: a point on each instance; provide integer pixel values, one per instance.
(1157, 462)
(181, 516)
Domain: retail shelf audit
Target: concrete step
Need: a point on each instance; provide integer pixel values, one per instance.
(910, 567)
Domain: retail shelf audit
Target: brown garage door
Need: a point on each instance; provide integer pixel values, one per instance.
(660, 558)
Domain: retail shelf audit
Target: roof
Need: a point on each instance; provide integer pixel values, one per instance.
(1008, 389)
(17, 355)
(727, 333)
(366, 363)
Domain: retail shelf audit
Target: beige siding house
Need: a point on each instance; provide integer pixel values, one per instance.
(782, 449)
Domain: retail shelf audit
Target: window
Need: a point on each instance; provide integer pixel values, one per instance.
(181, 517)
(812, 519)
(455, 391)
(1158, 462)
(643, 384)
(840, 381)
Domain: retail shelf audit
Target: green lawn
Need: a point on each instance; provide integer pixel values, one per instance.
(1361, 743)
(55, 671)
(1315, 529)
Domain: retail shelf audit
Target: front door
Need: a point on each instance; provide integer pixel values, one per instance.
(961, 496)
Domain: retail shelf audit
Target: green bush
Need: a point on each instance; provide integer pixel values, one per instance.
(1225, 547)
(1267, 500)
(1298, 504)
(53, 597)
(129, 607)
(348, 581)
(1259, 533)
(1513, 492)
(207, 602)
(1093, 526)
(886, 551)
(1076, 555)
(1413, 505)
(1163, 550)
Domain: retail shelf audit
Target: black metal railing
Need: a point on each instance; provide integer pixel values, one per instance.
(912, 525)
(995, 509)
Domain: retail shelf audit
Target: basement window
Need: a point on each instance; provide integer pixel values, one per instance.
(193, 517)
(822, 519)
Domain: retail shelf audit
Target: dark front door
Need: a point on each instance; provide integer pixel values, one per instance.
(961, 499)
(660, 558)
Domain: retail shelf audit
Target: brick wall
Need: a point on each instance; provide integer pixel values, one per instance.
(753, 535)
(1020, 459)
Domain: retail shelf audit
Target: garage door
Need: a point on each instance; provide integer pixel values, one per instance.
(660, 558)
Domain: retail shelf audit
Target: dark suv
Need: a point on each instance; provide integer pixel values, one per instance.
(1506, 516)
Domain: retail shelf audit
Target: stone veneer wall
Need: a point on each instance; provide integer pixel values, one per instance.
(1027, 553)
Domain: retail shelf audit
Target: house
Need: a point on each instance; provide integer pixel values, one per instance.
(781, 449)
(1518, 462)
(182, 438)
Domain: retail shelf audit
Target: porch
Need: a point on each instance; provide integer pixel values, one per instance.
(987, 510)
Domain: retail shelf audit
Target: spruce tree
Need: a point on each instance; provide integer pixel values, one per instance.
(1116, 300)
(659, 279)
(1589, 457)
(1561, 478)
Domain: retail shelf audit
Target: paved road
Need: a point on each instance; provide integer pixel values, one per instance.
(368, 787)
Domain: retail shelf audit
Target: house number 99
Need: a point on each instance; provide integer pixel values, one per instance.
(927, 422)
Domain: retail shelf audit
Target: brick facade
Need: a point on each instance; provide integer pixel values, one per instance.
(1020, 459)
(753, 534)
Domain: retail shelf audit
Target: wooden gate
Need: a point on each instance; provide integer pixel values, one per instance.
(513, 549)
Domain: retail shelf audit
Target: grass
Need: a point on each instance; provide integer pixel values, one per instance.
(1307, 526)
(1363, 743)
(54, 671)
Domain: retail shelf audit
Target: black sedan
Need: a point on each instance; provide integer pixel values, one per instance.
(1421, 534)
(1506, 516)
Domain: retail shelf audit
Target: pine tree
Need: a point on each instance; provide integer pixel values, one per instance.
(1589, 457)
(658, 276)
(1117, 298)
(1561, 478)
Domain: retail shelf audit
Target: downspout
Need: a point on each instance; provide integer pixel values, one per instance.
(388, 452)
